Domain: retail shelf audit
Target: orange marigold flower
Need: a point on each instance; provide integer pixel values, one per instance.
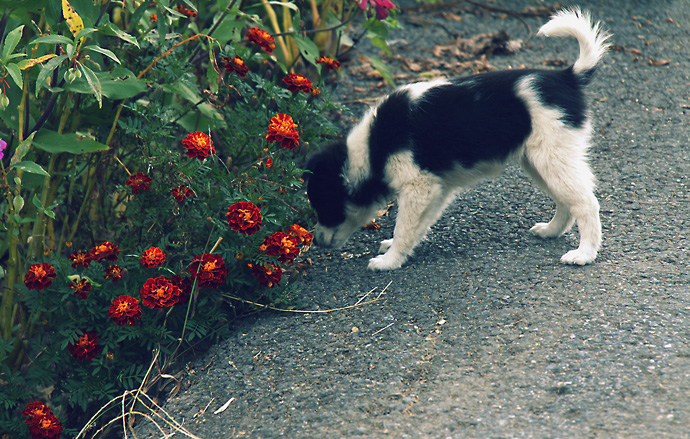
(268, 275)
(236, 65)
(139, 182)
(125, 310)
(244, 217)
(282, 128)
(152, 257)
(181, 192)
(86, 347)
(198, 145)
(262, 38)
(209, 270)
(154, 17)
(296, 82)
(36, 408)
(159, 292)
(104, 251)
(113, 272)
(80, 259)
(81, 287)
(282, 245)
(186, 11)
(44, 427)
(40, 276)
(299, 232)
(329, 63)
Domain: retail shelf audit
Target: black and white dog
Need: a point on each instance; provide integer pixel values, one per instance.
(425, 141)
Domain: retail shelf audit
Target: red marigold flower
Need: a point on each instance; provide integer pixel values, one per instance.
(329, 63)
(185, 286)
(113, 272)
(299, 232)
(198, 145)
(262, 38)
(47, 426)
(282, 128)
(104, 251)
(80, 259)
(382, 7)
(154, 17)
(36, 408)
(267, 275)
(181, 192)
(139, 182)
(86, 347)
(152, 257)
(81, 287)
(186, 11)
(297, 82)
(40, 276)
(209, 270)
(236, 65)
(159, 292)
(282, 245)
(125, 311)
(244, 217)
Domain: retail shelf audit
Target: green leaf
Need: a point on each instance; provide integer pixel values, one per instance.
(307, 48)
(94, 83)
(72, 143)
(47, 70)
(103, 51)
(111, 30)
(383, 69)
(121, 83)
(31, 168)
(11, 41)
(39, 206)
(22, 149)
(51, 39)
(16, 74)
(18, 203)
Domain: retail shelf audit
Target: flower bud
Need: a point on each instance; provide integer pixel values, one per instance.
(4, 102)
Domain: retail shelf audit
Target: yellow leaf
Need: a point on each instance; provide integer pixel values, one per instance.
(74, 21)
(28, 63)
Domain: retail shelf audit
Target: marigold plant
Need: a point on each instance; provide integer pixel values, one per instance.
(159, 292)
(125, 310)
(86, 347)
(198, 145)
(40, 276)
(152, 257)
(209, 270)
(139, 182)
(244, 217)
(284, 130)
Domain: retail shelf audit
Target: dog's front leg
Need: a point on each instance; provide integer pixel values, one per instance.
(414, 202)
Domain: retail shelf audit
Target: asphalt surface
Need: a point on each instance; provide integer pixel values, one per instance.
(482, 333)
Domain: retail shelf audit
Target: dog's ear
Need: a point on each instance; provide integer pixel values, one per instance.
(331, 158)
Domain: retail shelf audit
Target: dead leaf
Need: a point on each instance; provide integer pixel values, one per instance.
(659, 62)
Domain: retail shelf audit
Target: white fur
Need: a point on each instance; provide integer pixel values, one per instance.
(577, 24)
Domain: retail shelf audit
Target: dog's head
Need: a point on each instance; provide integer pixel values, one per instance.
(329, 196)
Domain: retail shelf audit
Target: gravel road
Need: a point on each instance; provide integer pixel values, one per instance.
(483, 334)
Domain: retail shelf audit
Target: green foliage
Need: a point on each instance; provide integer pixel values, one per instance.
(93, 95)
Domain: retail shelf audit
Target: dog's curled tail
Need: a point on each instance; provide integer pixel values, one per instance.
(578, 24)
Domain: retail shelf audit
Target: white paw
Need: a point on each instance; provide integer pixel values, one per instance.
(579, 257)
(544, 231)
(385, 245)
(386, 262)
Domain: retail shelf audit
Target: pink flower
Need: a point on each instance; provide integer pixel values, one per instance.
(382, 7)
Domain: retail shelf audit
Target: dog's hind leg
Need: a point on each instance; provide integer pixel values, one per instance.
(567, 178)
(562, 220)
(416, 200)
